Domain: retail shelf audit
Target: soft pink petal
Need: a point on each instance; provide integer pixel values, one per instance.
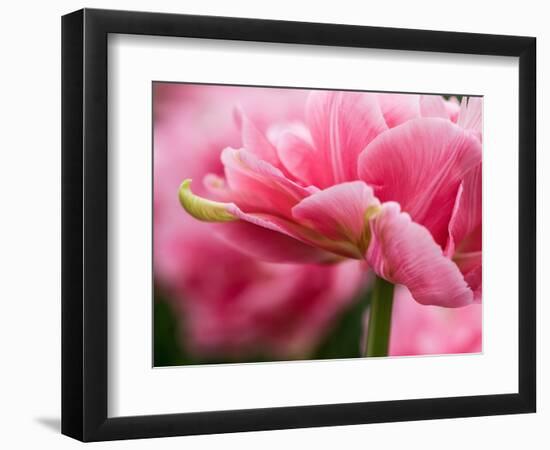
(403, 252)
(399, 108)
(420, 165)
(465, 231)
(465, 223)
(300, 159)
(300, 232)
(216, 186)
(339, 213)
(257, 186)
(470, 116)
(278, 129)
(265, 244)
(470, 264)
(474, 280)
(255, 141)
(433, 106)
(330, 249)
(341, 125)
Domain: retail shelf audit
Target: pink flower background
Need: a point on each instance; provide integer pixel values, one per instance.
(289, 278)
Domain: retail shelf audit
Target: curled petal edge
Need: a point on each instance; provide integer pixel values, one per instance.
(201, 208)
(404, 252)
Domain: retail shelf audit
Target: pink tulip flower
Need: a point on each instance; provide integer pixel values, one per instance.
(231, 305)
(388, 179)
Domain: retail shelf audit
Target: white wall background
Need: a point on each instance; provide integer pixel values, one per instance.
(30, 225)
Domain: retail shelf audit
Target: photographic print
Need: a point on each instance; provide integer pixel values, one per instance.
(304, 224)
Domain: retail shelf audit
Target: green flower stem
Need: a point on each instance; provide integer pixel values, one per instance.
(378, 335)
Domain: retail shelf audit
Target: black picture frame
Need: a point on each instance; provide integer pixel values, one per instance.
(84, 224)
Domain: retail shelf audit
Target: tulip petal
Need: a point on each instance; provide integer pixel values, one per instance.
(280, 235)
(341, 125)
(433, 106)
(403, 252)
(474, 280)
(300, 159)
(257, 186)
(465, 231)
(340, 213)
(254, 140)
(465, 223)
(298, 231)
(399, 108)
(269, 245)
(216, 186)
(470, 116)
(420, 165)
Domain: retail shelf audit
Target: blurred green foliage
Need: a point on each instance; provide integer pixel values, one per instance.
(166, 351)
(344, 341)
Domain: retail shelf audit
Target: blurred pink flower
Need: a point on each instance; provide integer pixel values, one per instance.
(390, 179)
(428, 330)
(231, 304)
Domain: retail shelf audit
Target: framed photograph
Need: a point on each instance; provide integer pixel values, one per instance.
(272, 224)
